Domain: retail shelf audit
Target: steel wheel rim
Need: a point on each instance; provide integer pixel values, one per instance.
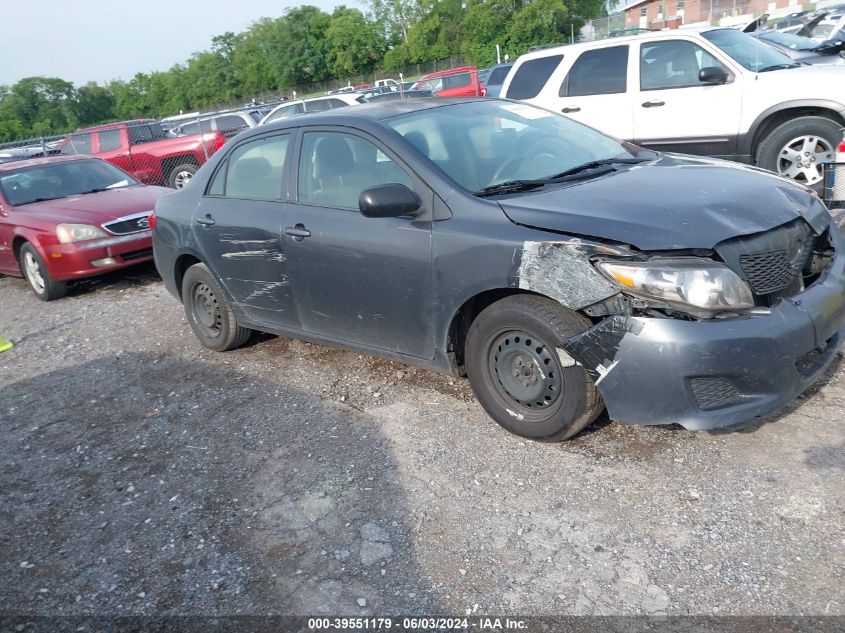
(206, 309)
(526, 371)
(803, 157)
(182, 179)
(33, 272)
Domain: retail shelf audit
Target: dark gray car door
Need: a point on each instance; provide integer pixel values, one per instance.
(362, 280)
(238, 224)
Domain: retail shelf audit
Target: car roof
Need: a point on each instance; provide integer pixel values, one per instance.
(451, 71)
(366, 112)
(618, 41)
(110, 126)
(42, 160)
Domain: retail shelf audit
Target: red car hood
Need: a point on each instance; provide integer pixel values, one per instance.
(97, 208)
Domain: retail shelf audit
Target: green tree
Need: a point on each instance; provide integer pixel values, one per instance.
(485, 24)
(355, 45)
(541, 22)
(94, 104)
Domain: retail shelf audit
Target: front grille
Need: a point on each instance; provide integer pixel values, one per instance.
(130, 224)
(768, 272)
(131, 255)
(714, 393)
(772, 262)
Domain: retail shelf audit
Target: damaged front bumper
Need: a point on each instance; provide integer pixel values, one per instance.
(715, 373)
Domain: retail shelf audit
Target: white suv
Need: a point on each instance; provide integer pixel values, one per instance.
(711, 92)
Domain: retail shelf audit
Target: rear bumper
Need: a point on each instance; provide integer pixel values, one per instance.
(85, 259)
(723, 372)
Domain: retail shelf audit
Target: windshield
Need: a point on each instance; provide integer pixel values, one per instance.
(792, 42)
(61, 180)
(750, 52)
(484, 143)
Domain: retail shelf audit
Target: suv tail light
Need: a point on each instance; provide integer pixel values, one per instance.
(219, 140)
(152, 221)
(841, 147)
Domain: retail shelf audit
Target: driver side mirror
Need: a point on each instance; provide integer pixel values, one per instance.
(388, 201)
(712, 75)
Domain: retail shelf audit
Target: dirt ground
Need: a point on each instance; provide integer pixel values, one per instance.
(142, 474)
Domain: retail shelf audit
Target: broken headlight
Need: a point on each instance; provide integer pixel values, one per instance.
(698, 286)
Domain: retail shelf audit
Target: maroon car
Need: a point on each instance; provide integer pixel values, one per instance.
(69, 217)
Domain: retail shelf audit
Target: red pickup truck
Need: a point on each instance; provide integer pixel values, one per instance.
(143, 149)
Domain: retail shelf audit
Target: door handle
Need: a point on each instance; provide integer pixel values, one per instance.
(573, 109)
(653, 104)
(206, 221)
(298, 232)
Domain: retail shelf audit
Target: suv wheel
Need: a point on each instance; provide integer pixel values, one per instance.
(181, 175)
(799, 148)
(38, 277)
(517, 375)
(208, 312)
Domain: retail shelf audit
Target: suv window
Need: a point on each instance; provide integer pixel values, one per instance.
(109, 140)
(457, 80)
(673, 64)
(140, 134)
(531, 76)
(253, 170)
(335, 168)
(78, 144)
(230, 122)
(599, 72)
(283, 113)
(318, 105)
(497, 76)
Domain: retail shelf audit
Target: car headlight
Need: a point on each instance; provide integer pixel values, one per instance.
(697, 285)
(68, 233)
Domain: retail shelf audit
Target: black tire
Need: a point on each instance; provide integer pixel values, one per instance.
(180, 175)
(208, 311)
(555, 402)
(775, 151)
(38, 277)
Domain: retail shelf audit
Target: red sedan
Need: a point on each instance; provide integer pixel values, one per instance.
(69, 217)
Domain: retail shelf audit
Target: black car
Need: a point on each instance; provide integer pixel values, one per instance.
(561, 270)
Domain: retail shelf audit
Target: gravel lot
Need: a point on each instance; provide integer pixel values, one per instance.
(141, 474)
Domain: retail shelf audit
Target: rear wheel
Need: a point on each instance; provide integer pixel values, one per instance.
(181, 175)
(516, 372)
(208, 312)
(799, 148)
(38, 277)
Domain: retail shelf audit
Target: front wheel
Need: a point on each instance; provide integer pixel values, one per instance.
(516, 372)
(181, 175)
(38, 277)
(799, 148)
(208, 312)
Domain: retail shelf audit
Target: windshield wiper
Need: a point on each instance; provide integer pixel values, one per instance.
(778, 67)
(591, 165)
(509, 186)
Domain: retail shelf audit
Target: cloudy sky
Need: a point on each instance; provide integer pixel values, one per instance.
(98, 40)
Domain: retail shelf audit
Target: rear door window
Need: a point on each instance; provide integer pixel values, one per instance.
(109, 140)
(253, 170)
(78, 144)
(230, 122)
(597, 72)
(456, 81)
(320, 105)
(139, 134)
(531, 76)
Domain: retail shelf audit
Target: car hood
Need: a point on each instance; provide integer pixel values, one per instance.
(676, 202)
(816, 81)
(96, 208)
